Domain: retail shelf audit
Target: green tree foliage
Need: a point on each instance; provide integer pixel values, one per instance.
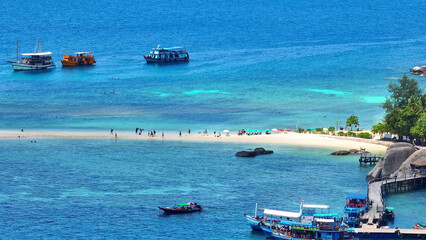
(364, 135)
(331, 129)
(352, 121)
(419, 130)
(401, 93)
(404, 109)
(380, 128)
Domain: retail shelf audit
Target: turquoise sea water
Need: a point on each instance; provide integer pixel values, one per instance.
(257, 64)
(254, 65)
(108, 189)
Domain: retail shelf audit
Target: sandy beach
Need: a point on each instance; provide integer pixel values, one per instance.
(290, 138)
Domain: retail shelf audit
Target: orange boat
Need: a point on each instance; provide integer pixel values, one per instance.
(80, 58)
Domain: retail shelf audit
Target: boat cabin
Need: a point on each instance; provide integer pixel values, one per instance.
(167, 55)
(43, 58)
(79, 58)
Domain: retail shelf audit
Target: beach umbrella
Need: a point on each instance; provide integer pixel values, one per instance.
(259, 130)
(274, 130)
(268, 130)
(226, 131)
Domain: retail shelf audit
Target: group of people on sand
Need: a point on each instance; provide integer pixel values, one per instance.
(151, 133)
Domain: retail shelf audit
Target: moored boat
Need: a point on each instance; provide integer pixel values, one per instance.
(79, 59)
(355, 208)
(182, 208)
(167, 55)
(33, 61)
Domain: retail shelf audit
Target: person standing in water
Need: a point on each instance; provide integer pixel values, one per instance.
(189, 131)
(112, 131)
(136, 130)
(180, 134)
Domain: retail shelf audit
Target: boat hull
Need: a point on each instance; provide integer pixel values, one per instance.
(254, 223)
(25, 67)
(179, 211)
(149, 59)
(267, 231)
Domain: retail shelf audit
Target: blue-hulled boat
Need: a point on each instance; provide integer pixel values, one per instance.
(323, 226)
(355, 207)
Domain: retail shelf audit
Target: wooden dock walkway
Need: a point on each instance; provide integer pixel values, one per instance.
(369, 158)
(376, 191)
(374, 232)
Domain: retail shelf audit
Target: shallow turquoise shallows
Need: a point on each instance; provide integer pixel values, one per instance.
(106, 189)
(255, 65)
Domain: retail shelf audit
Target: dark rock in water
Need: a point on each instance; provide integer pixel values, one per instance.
(395, 155)
(246, 153)
(253, 153)
(341, 152)
(419, 70)
(353, 151)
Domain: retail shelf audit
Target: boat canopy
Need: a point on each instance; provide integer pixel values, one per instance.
(81, 52)
(281, 213)
(170, 48)
(357, 196)
(181, 204)
(324, 220)
(299, 224)
(37, 54)
(315, 206)
(326, 215)
(390, 208)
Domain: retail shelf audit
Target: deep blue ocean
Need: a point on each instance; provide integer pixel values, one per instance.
(106, 189)
(254, 64)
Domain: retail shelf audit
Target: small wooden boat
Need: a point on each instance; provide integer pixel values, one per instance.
(182, 208)
(80, 58)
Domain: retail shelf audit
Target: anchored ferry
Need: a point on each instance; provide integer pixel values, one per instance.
(80, 58)
(167, 55)
(33, 61)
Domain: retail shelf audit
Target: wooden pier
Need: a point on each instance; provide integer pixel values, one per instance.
(407, 183)
(376, 191)
(374, 232)
(369, 158)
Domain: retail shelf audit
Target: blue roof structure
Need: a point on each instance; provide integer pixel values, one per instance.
(357, 196)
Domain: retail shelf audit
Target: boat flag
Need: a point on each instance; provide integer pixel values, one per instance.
(303, 201)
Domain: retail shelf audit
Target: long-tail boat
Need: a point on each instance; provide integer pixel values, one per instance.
(182, 208)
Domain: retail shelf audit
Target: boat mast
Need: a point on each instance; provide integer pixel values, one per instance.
(17, 51)
(255, 213)
(38, 46)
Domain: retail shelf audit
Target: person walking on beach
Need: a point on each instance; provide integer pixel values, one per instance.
(112, 131)
(155, 132)
(137, 129)
(116, 137)
(180, 134)
(189, 131)
(214, 133)
(162, 135)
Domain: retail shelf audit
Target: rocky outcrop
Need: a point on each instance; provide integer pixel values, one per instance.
(341, 152)
(395, 155)
(351, 151)
(419, 70)
(405, 168)
(253, 153)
